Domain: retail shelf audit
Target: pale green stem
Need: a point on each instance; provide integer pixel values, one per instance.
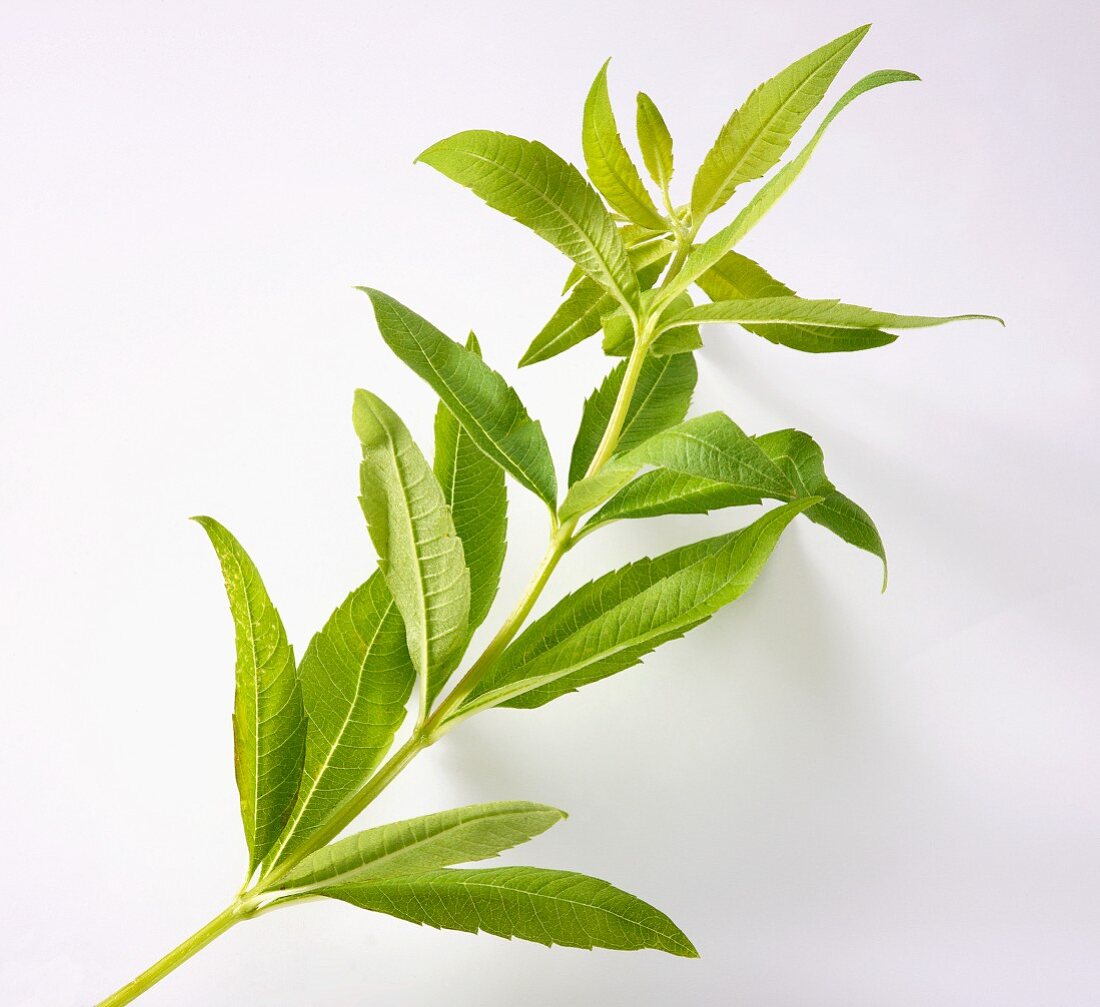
(176, 957)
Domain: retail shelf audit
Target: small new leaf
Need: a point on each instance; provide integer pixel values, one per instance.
(269, 728)
(655, 141)
(533, 904)
(609, 164)
(419, 553)
(580, 314)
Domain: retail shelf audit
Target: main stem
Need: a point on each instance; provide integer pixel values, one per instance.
(176, 957)
(433, 727)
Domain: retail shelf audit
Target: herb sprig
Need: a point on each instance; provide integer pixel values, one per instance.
(314, 737)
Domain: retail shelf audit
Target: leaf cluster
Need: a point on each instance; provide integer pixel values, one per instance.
(312, 736)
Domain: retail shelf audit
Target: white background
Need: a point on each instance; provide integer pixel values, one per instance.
(843, 798)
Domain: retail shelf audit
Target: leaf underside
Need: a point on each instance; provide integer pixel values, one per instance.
(533, 904)
(459, 836)
(419, 553)
(736, 277)
(269, 730)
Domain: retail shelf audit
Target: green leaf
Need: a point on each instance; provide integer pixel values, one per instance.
(609, 165)
(356, 677)
(655, 141)
(580, 314)
(846, 519)
(269, 728)
(459, 836)
(710, 446)
(704, 256)
(547, 907)
(661, 399)
(736, 277)
(800, 311)
(611, 623)
(419, 553)
(757, 134)
(769, 193)
(481, 400)
(802, 461)
(533, 185)
(473, 486)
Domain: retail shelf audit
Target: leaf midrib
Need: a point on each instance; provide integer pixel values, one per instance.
(335, 879)
(468, 883)
(458, 408)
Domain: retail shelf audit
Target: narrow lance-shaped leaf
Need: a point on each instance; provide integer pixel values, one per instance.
(655, 141)
(800, 311)
(771, 191)
(609, 164)
(757, 134)
(269, 730)
(356, 677)
(418, 551)
(473, 486)
(533, 904)
(610, 624)
(580, 314)
(660, 400)
(459, 836)
(482, 401)
(704, 256)
(736, 277)
(532, 184)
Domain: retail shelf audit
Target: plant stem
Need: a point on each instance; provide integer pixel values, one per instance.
(429, 729)
(176, 957)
